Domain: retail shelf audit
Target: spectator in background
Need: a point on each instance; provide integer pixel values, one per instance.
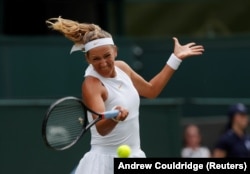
(234, 142)
(192, 144)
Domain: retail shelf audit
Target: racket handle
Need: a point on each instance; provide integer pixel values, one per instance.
(111, 114)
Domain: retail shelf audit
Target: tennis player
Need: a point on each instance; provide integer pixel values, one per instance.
(112, 84)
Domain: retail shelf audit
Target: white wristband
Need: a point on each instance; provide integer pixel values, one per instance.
(174, 62)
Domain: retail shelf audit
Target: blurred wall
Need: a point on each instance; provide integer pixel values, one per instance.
(36, 68)
(23, 151)
(41, 67)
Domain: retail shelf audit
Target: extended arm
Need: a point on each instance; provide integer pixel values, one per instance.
(154, 87)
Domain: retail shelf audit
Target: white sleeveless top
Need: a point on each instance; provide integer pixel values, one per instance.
(121, 92)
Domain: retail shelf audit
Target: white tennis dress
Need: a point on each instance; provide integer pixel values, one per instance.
(121, 92)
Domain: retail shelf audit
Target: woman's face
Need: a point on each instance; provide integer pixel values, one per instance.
(102, 58)
(192, 137)
(241, 120)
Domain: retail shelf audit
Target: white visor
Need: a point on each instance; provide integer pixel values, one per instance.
(98, 42)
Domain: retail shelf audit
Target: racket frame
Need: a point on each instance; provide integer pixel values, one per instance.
(87, 125)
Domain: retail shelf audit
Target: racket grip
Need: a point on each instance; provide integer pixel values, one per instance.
(111, 114)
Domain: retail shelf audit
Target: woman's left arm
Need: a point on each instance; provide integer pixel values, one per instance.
(154, 87)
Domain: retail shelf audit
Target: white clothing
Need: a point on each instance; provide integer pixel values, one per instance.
(200, 152)
(121, 92)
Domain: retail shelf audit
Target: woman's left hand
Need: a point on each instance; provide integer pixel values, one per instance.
(184, 51)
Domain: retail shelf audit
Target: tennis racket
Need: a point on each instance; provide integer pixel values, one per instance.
(66, 121)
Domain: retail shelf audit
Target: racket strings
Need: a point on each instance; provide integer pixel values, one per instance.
(65, 123)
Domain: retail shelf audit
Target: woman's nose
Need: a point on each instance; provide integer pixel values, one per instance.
(103, 62)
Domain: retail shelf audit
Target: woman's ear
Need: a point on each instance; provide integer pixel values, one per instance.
(115, 51)
(87, 58)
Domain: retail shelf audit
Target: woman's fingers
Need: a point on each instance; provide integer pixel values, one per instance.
(191, 44)
(197, 47)
(123, 113)
(176, 41)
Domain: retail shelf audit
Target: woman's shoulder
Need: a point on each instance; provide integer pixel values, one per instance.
(123, 66)
(90, 81)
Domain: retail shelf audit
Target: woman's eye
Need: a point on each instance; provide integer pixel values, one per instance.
(106, 56)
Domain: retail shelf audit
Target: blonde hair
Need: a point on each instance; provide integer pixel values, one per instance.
(79, 33)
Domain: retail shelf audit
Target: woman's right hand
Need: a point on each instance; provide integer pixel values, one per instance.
(123, 114)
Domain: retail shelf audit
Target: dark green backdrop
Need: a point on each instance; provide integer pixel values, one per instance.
(33, 67)
(23, 150)
(34, 71)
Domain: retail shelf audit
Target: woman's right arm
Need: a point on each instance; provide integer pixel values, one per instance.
(94, 95)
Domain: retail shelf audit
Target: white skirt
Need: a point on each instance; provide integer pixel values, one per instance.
(100, 160)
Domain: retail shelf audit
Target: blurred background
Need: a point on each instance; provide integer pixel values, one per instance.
(36, 69)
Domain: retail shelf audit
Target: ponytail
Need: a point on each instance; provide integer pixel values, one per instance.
(79, 33)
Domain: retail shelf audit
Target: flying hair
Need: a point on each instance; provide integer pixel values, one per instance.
(79, 33)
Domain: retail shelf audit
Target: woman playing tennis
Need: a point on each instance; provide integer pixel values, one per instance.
(112, 84)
